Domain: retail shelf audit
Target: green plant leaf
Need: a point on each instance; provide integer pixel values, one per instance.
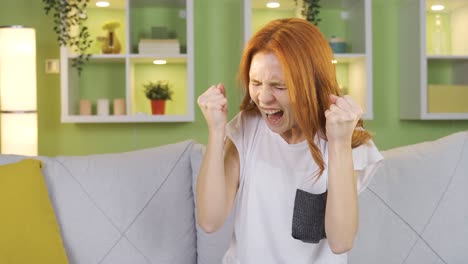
(71, 10)
(158, 90)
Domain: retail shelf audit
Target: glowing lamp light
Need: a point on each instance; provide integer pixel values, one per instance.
(159, 62)
(18, 108)
(102, 4)
(273, 4)
(437, 7)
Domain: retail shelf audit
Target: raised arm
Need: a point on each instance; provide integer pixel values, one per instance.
(218, 178)
(341, 215)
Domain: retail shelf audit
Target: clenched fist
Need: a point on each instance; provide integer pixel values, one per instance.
(213, 104)
(341, 119)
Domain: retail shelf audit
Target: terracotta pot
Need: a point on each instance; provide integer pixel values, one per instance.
(158, 106)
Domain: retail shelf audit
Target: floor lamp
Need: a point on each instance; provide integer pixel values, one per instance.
(18, 107)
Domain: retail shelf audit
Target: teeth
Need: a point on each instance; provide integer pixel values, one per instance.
(271, 112)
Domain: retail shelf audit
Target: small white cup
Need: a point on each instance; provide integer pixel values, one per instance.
(103, 107)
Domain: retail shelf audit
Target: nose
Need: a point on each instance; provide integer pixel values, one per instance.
(265, 95)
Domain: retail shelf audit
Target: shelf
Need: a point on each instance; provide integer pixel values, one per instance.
(137, 118)
(104, 57)
(447, 57)
(97, 17)
(443, 71)
(434, 56)
(447, 99)
(142, 70)
(121, 76)
(446, 30)
(147, 58)
(158, 3)
(161, 19)
(445, 116)
(349, 57)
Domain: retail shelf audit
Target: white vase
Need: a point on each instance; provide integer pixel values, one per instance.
(103, 107)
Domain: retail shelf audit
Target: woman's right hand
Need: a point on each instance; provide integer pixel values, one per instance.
(213, 104)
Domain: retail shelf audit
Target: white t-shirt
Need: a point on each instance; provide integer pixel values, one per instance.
(271, 170)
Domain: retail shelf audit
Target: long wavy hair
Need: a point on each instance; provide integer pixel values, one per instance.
(306, 60)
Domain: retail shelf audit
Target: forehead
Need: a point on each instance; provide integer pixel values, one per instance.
(265, 64)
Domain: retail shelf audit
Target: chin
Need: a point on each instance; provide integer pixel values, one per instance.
(275, 129)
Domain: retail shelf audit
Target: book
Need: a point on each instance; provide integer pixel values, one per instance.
(157, 46)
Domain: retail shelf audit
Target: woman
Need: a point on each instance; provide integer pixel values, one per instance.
(293, 135)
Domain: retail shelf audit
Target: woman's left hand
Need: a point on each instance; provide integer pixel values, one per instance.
(341, 119)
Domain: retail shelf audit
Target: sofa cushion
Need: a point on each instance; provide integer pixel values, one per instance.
(446, 231)
(134, 207)
(211, 247)
(415, 209)
(417, 176)
(28, 228)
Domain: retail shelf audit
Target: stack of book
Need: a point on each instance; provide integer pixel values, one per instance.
(159, 46)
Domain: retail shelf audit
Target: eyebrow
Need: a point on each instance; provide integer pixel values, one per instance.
(271, 83)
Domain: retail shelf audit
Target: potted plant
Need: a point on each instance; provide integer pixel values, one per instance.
(310, 10)
(158, 92)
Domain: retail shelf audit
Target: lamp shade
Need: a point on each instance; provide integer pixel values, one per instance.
(18, 107)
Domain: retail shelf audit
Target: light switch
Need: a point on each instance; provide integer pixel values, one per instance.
(52, 66)
(182, 14)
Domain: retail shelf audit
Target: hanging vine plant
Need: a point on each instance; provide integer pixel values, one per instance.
(310, 9)
(69, 15)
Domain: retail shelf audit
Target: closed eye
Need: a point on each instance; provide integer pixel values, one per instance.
(280, 88)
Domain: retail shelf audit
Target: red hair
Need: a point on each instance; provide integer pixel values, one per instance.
(305, 57)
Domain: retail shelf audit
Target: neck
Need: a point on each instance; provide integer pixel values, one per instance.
(293, 136)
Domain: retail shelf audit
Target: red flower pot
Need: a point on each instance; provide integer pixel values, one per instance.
(158, 106)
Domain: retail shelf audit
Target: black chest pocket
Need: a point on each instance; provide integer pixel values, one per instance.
(308, 223)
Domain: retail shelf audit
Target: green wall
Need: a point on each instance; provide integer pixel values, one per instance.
(389, 130)
(217, 53)
(218, 41)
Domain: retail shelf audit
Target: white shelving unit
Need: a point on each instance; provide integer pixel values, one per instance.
(434, 60)
(348, 19)
(122, 75)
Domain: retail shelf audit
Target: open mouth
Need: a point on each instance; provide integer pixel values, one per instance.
(274, 115)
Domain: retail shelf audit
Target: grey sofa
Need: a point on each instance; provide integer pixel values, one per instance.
(415, 210)
(138, 207)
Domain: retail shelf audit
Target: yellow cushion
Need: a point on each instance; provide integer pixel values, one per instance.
(29, 232)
